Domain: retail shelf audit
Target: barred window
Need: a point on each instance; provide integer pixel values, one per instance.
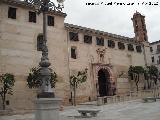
(87, 39)
(100, 41)
(32, 17)
(73, 36)
(111, 43)
(12, 12)
(50, 20)
(39, 42)
(74, 52)
(121, 46)
(139, 49)
(130, 47)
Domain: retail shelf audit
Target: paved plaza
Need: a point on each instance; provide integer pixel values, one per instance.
(129, 110)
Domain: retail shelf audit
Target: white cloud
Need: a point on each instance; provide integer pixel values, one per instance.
(113, 19)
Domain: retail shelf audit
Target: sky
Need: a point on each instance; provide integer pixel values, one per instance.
(114, 18)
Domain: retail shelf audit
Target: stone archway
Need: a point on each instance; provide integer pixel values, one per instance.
(103, 83)
(107, 79)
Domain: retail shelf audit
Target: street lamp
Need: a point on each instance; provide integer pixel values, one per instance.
(44, 6)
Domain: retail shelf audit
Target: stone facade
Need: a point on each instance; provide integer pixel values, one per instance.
(18, 53)
(155, 50)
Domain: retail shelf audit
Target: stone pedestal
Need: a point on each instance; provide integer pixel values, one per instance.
(47, 108)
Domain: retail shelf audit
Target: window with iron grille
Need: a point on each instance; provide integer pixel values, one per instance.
(74, 52)
(32, 17)
(12, 12)
(73, 36)
(50, 20)
(39, 42)
(130, 47)
(100, 41)
(139, 49)
(121, 46)
(87, 39)
(111, 43)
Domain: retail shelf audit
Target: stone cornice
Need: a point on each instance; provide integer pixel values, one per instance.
(90, 31)
(18, 3)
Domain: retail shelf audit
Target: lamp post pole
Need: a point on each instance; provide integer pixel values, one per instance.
(45, 91)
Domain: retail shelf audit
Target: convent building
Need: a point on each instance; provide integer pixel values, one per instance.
(72, 48)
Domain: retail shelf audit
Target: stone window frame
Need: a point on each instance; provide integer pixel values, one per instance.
(88, 39)
(121, 45)
(32, 16)
(111, 44)
(73, 36)
(130, 47)
(139, 48)
(12, 12)
(40, 42)
(73, 54)
(50, 20)
(100, 41)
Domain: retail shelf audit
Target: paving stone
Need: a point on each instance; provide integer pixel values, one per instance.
(130, 110)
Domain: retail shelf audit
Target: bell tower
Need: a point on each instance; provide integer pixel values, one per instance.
(139, 27)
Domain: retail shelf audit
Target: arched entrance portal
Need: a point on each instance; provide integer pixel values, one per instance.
(103, 82)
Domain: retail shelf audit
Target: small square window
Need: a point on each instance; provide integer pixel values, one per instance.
(32, 17)
(73, 36)
(130, 47)
(87, 39)
(121, 46)
(139, 49)
(12, 12)
(74, 52)
(50, 21)
(111, 43)
(100, 41)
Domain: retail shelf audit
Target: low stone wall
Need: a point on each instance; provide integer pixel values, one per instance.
(128, 96)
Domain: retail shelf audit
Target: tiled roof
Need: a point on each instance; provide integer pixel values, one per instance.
(98, 32)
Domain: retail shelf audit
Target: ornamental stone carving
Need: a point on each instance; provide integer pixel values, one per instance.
(101, 52)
